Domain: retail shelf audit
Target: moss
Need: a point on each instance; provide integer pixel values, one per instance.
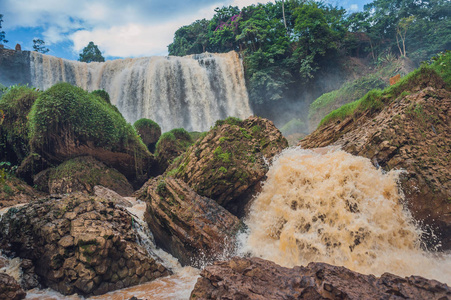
(146, 124)
(222, 156)
(68, 111)
(256, 129)
(245, 133)
(230, 121)
(15, 104)
(103, 95)
(223, 170)
(293, 126)
(161, 187)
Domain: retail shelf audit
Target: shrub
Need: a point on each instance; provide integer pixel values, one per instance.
(102, 94)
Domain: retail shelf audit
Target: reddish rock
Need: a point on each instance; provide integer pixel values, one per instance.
(413, 133)
(255, 278)
(228, 164)
(193, 228)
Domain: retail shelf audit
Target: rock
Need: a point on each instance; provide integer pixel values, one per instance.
(149, 131)
(82, 174)
(171, 145)
(112, 196)
(14, 191)
(228, 164)
(193, 228)
(412, 133)
(86, 125)
(31, 165)
(29, 279)
(76, 242)
(10, 289)
(255, 278)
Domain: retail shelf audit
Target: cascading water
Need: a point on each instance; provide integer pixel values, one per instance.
(337, 208)
(190, 92)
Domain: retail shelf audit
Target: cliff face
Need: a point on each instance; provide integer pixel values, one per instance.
(14, 67)
(413, 133)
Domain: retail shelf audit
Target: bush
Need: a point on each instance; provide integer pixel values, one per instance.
(102, 94)
(15, 104)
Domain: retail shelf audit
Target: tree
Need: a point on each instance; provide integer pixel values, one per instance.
(401, 32)
(39, 46)
(91, 53)
(2, 33)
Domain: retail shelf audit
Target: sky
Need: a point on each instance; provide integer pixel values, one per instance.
(121, 29)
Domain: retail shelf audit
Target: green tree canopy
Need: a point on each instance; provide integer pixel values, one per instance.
(2, 33)
(91, 53)
(39, 46)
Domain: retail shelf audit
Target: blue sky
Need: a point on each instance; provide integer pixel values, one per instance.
(120, 28)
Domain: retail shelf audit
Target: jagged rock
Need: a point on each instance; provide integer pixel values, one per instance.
(255, 278)
(81, 174)
(78, 244)
(193, 228)
(29, 279)
(10, 289)
(412, 133)
(171, 145)
(14, 191)
(229, 162)
(112, 196)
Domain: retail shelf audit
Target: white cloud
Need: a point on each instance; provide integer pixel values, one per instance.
(353, 7)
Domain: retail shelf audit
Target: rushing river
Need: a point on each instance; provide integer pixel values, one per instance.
(323, 205)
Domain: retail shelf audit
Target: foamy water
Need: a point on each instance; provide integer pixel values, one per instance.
(333, 207)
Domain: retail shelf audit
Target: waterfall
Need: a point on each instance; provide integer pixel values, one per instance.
(191, 92)
(333, 207)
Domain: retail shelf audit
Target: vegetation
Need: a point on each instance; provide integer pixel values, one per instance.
(438, 70)
(91, 53)
(285, 45)
(294, 126)
(146, 124)
(64, 110)
(15, 104)
(176, 140)
(39, 46)
(2, 33)
(103, 95)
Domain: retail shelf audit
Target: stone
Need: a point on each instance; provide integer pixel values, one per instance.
(255, 278)
(74, 255)
(10, 289)
(193, 228)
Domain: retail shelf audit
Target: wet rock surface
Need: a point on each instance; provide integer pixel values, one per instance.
(78, 244)
(255, 278)
(228, 164)
(412, 133)
(10, 289)
(193, 228)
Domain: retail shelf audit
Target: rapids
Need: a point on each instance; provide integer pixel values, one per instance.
(329, 206)
(190, 92)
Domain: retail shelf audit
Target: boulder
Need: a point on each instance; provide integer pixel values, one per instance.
(255, 278)
(14, 191)
(228, 164)
(412, 133)
(171, 145)
(78, 244)
(194, 229)
(149, 131)
(66, 121)
(82, 174)
(10, 289)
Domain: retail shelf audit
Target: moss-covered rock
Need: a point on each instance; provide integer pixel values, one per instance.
(15, 104)
(149, 131)
(82, 174)
(14, 191)
(230, 160)
(171, 145)
(66, 121)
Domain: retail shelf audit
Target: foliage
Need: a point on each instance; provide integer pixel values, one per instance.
(103, 95)
(66, 110)
(2, 33)
(294, 126)
(229, 120)
(178, 139)
(91, 53)
(146, 123)
(39, 46)
(15, 105)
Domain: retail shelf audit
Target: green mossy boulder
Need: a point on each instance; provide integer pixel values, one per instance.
(227, 164)
(82, 174)
(66, 121)
(15, 104)
(149, 131)
(171, 145)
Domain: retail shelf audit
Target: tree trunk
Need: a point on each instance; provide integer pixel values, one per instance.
(283, 13)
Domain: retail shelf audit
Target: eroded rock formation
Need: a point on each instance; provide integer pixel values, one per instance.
(78, 244)
(10, 289)
(255, 278)
(193, 228)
